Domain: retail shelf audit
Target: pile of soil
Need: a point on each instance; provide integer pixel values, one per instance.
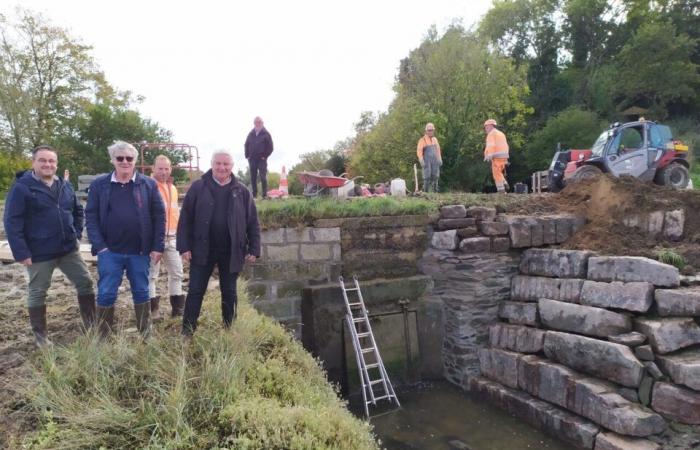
(606, 200)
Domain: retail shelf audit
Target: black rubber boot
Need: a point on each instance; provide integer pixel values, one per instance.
(177, 302)
(143, 318)
(105, 320)
(155, 309)
(37, 319)
(87, 310)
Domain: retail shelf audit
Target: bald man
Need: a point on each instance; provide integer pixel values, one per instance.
(258, 147)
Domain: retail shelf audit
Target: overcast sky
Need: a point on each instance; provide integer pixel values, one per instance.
(207, 68)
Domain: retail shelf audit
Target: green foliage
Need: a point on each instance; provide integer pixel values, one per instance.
(455, 82)
(252, 387)
(10, 164)
(656, 48)
(302, 211)
(572, 128)
(667, 256)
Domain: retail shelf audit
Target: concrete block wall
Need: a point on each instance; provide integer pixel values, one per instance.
(600, 351)
(291, 259)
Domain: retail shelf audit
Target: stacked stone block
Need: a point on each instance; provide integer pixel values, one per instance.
(479, 229)
(609, 346)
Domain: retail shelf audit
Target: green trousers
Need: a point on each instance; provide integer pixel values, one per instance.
(72, 265)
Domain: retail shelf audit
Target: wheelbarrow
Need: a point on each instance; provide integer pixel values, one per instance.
(319, 183)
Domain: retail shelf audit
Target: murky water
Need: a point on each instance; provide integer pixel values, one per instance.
(440, 416)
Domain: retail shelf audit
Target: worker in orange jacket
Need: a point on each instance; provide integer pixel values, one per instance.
(430, 157)
(496, 152)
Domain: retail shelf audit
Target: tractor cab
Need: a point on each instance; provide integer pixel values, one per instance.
(642, 149)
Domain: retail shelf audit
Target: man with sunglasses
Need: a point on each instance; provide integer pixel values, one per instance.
(44, 222)
(126, 227)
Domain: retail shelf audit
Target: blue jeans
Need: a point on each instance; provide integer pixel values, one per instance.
(111, 267)
(199, 280)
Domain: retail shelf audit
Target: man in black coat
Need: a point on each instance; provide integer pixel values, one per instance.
(218, 227)
(258, 147)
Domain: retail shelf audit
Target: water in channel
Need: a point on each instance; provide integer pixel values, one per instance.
(439, 416)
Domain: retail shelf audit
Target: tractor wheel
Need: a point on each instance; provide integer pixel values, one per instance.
(585, 173)
(674, 175)
(554, 184)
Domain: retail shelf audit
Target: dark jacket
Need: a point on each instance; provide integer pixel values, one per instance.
(39, 225)
(149, 204)
(195, 219)
(260, 146)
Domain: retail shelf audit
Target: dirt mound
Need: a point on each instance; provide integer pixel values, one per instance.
(605, 201)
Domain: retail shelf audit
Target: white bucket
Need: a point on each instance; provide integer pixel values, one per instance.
(398, 187)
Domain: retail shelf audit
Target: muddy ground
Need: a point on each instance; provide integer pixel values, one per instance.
(17, 343)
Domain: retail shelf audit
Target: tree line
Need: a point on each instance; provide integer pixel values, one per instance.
(53, 92)
(550, 71)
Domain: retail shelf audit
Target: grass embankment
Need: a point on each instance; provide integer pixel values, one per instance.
(301, 211)
(252, 387)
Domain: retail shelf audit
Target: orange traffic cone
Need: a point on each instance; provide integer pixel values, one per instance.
(284, 184)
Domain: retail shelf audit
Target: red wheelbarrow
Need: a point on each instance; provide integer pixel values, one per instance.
(318, 183)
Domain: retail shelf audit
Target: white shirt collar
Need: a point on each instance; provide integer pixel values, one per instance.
(114, 177)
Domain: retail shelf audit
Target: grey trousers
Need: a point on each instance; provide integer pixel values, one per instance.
(72, 265)
(431, 168)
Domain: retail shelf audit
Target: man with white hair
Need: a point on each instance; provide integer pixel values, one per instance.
(125, 221)
(258, 147)
(218, 227)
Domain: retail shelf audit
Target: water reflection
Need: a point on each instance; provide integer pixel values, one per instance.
(439, 416)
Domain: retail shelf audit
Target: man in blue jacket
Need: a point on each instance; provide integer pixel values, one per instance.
(258, 147)
(126, 227)
(44, 222)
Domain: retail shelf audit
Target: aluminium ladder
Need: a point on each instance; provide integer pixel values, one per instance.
(375, 381)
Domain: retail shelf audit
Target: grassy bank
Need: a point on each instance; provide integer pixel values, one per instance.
(301, 211)
(252, 387)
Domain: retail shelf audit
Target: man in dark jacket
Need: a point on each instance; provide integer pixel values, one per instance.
(44, 222)
(126, 227)
(218, 227)
(258, 147)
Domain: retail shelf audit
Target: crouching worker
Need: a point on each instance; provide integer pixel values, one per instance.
(126, 227)
(162, 169)
(218, 227)
(43, 223)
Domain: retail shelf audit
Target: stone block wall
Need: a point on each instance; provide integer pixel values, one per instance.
(601, 351)
(291, 259)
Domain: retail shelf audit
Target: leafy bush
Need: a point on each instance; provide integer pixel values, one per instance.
(10, 164)
(253, 387)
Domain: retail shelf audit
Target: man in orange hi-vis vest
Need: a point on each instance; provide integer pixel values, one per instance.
(430, 157)
(496, 152)
(171, 257)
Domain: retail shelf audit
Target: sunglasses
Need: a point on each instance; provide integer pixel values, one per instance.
(122, 158)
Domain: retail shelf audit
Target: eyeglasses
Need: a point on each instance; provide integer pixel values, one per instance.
(122, 158)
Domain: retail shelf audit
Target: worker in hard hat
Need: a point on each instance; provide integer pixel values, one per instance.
(430, 157)
(496, 152)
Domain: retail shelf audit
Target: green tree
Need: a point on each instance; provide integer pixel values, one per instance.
(455, 82)
(10, 164)
(571, 128)
(655, 70)
(46, 78)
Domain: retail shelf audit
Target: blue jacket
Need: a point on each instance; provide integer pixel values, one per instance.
(149, 204)
(38, 225)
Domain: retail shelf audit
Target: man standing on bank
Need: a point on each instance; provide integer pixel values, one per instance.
(44, 223)
(162, 168)
(430, 157)
(258, 147)
(126, 227)
(218, 227)
(496, 152)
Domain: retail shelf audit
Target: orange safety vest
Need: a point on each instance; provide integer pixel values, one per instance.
(169, 194)
(426, 141)
(496, 145)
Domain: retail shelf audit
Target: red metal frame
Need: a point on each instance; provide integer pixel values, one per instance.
(191, 165)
